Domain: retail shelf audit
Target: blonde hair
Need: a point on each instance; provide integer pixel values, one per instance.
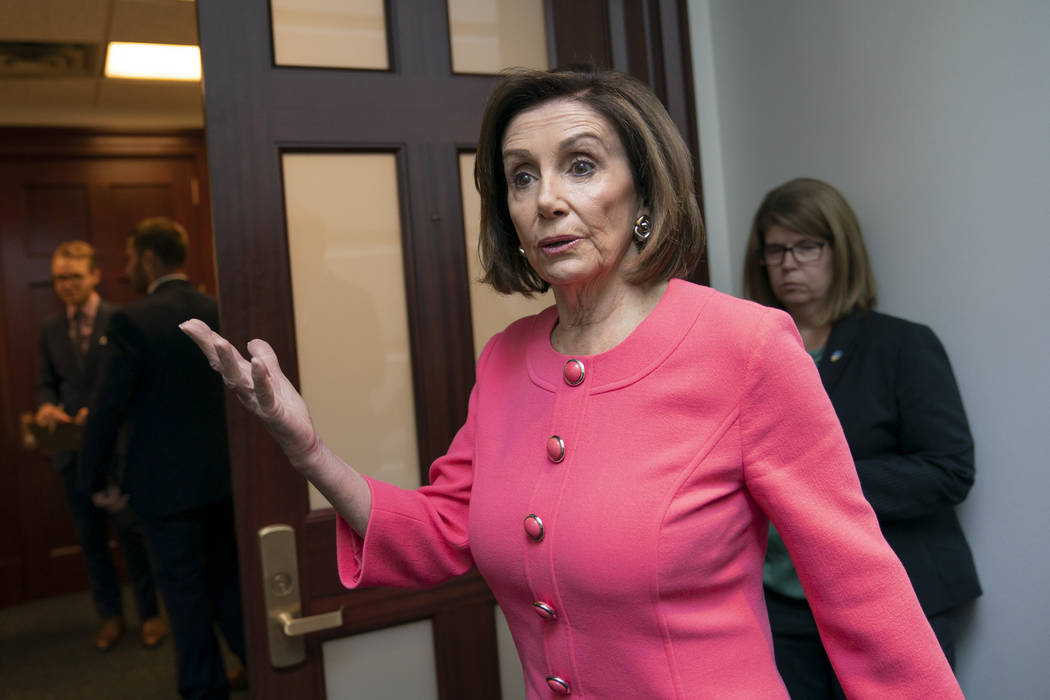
(815, 209)
(76, 250)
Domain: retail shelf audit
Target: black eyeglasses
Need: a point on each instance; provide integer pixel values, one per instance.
(804, 252)
(68, 278)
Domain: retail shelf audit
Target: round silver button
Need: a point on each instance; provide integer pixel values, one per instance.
(534, 527)
(559, 685)
(555, 449)
(573, 372)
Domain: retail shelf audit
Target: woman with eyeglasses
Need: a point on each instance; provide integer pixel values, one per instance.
(895, 395)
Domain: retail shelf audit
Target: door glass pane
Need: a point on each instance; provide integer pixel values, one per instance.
(330, 33)
(351, 322)
(389, 664)
(490, 35)
(511, 678)
(491, 311)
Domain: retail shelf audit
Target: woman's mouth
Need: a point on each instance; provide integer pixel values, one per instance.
(557, 245)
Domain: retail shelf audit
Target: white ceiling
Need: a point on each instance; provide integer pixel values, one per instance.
(89, 99)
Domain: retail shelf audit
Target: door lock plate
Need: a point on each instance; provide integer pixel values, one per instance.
(285, 625)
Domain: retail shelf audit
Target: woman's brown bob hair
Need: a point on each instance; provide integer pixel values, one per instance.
(815, 209)
(660, 163)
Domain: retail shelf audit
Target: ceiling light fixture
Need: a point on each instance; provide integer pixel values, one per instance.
(153, 61)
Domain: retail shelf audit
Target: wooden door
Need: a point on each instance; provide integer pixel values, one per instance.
(416, 117)
(57, 186)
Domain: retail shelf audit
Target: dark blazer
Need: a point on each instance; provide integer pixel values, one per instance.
(60, 379)
(894, 392)
(157, 379)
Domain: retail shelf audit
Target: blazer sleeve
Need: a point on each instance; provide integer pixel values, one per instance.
(933, 467)
(111, 403)
(417, 538)
(797, 467)
(47, 378)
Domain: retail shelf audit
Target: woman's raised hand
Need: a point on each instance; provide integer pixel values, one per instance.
(264, 390)
(261, 387)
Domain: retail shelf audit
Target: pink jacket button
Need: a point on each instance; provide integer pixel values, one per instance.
(558, 685)
(555, 449)
(534, 527)
(544, 610)
(573, 372)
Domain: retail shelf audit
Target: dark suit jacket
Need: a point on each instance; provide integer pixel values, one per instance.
(896, 397)
(156, 378)
(60, 380)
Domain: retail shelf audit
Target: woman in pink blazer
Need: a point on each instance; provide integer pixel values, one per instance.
(624, 450)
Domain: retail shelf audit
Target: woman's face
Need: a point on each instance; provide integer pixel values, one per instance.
(570, 192)
(798, 286)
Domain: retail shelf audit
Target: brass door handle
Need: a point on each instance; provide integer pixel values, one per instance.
(297, 626)
(285, 626)
(26, 421)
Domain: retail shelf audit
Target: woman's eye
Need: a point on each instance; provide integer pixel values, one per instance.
(521, 179)
(581, 167)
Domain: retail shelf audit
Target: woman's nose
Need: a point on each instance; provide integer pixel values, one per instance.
(789, 262)
(550, 202)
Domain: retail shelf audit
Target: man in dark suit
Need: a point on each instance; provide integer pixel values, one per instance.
(177, 471)
(71, 343)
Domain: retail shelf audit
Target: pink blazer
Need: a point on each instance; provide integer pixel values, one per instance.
(617, 506)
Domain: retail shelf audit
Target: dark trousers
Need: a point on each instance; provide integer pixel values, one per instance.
(92, 525)
(197, 573)
(800, 655)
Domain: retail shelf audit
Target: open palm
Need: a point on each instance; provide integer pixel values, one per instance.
(260, 385)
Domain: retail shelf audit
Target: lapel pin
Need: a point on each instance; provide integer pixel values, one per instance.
(102, 340)
(836, 356)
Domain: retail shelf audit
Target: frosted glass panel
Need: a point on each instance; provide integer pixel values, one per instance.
(330, 33)
(490, 35)
(491, 311)
(511, 678)
(391, 664)
(351, 322)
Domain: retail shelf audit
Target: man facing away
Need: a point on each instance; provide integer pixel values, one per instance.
(177, 471)
(70, 347)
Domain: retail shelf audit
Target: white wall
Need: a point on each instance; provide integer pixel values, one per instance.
(933, 118)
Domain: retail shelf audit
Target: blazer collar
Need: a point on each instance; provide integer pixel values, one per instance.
(98, 332)
(648, 345)
(840, 348)
(166, 280)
